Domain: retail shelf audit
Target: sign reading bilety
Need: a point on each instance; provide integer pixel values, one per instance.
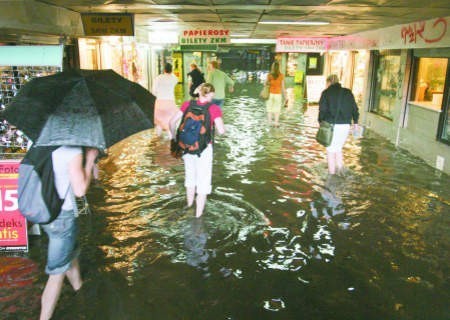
(108, 24)
(204, 37)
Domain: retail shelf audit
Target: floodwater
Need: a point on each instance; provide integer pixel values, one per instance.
(279, 238)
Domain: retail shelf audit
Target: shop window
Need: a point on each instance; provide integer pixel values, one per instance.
(12, 79)
(387, 81)
(429, 82)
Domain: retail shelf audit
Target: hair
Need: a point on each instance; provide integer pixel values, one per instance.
(332, 79)
(215, 64)
(275, 69)
(205, 88)
(168, 68)
(193, 65)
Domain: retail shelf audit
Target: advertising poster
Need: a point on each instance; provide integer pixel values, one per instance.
(314, 87)
(13, 226)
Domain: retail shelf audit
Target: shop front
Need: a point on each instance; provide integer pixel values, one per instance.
(408, 92)
(124, 55)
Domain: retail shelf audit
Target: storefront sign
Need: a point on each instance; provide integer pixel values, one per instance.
(31, 56)
(314, 87)
(13, 226)
(108, 24)
(301, 44)
(434, 33)
(205, 37)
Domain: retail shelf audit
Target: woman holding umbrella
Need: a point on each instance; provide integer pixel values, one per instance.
(62, 260)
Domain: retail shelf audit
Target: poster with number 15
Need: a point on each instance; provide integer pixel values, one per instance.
(13, 226)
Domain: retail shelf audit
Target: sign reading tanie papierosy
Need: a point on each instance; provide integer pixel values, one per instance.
(301, 44)
(13, 226)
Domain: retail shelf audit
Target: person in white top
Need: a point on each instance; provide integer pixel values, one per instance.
(165, 107)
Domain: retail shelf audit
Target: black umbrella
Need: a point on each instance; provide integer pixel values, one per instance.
(94, 108)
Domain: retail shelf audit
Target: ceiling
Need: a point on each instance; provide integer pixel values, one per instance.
(243, 18)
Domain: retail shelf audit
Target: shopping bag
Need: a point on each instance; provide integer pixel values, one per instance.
(264, 94)
(325, 133)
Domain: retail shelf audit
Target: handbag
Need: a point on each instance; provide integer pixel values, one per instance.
(324, 135)
(175, 150)
(264, 94)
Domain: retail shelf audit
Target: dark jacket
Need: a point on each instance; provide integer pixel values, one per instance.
(197, 79)
(337, 98)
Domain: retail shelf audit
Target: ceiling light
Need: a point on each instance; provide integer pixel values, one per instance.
(302, 23)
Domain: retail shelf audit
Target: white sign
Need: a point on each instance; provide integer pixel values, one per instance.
(314, 87)
(433, 33)
(301, 44)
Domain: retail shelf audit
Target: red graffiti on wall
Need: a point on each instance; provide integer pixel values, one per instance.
(411, 32)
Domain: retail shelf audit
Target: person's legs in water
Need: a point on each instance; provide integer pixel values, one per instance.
(339, 162)
(190, 195)
(203, 179)
(61, 261)
(200, 204)
(189, 177)
(277, 118)
(269, 118)
(74, 275)
(51, 295)
(334, 151)
(331, 157)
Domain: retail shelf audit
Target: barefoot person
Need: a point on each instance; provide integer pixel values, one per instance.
(198, 168)
(62, 260)
(337, 105)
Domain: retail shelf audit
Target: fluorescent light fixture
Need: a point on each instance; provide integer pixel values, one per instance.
(238, 35)
(162, 37)
(259, 41)
(301, 23)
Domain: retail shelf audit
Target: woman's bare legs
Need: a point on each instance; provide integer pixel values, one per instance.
(339, 162)
(200, 202)
(190, 194)
(277, 117)
(51, 295)
(331, 157)
(52, 289)
(74, 276)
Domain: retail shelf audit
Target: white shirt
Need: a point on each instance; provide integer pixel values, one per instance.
(164, 86)
(61, 158)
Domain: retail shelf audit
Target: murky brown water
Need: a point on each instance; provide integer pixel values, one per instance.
(279, 239)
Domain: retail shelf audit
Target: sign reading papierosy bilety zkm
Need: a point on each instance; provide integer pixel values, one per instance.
(13, 226)
(206, 36)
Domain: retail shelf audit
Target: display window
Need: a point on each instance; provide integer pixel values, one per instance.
(359, 75)
(386, 82)
(12, 79)
(121, 54)
(429, 82)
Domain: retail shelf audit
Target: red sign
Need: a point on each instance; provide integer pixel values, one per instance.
(13, 226)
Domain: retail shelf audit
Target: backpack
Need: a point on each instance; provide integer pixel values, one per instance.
(38, 198)
(194, 132)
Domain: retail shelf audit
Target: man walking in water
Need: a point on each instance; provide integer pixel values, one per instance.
(220, 81)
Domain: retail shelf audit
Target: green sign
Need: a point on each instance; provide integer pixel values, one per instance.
(201, 47)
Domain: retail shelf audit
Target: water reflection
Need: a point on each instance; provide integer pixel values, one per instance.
(279, 237)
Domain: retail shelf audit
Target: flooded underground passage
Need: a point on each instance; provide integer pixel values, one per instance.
(279, 237)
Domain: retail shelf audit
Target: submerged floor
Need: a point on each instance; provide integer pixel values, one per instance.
(279, 238)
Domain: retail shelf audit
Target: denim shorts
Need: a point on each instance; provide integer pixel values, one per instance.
(63, 244)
